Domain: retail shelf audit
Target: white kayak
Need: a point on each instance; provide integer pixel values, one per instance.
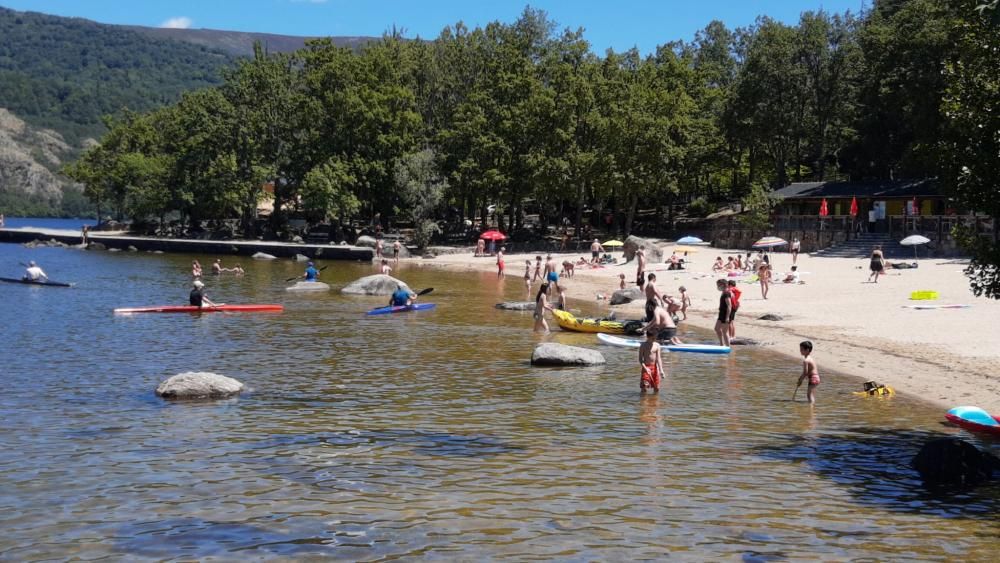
(691, 348)
(308, 286)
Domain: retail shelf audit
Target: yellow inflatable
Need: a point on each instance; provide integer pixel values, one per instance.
(878, 391)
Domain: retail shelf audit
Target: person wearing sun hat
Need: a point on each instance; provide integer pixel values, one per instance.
(197, 297)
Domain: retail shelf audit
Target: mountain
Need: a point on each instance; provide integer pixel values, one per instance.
(240, 43)
(59, 77)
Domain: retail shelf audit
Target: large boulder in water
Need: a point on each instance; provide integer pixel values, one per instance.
(199, 385)
(378, 284)
(516, 306)
(366, 241)
(627, 295)
(263, 256)
(552, 354)
(654, 255)
(951, 461)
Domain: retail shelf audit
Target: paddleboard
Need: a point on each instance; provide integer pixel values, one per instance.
(618, 340)
(401, 309)
(690, 348)
(36, 282)
(924, 307)
(308, 286)
(192, 309)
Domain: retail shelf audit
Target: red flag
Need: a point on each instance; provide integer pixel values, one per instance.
(916, 208)
(854, 207)
(823, 211)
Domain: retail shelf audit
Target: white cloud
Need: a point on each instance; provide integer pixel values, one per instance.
(177, 23)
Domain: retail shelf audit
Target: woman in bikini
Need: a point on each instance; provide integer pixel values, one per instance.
(541, 304)
(764, 277)
(877, 264)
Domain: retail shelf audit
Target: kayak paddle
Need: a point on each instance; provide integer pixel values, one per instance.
(425, 291)
(303, 275)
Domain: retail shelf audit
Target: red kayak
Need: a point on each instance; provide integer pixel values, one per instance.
(192, 309)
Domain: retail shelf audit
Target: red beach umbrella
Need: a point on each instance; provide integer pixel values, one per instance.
(823, 211)
(854, 207)
(493, 235)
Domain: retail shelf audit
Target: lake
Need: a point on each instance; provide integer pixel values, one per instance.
(428, 434)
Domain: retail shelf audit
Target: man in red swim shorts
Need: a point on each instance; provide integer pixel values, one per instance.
(651, 362)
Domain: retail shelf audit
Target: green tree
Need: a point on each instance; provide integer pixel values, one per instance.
(420, 186)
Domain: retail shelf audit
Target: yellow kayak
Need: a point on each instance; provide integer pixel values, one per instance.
(567, 321)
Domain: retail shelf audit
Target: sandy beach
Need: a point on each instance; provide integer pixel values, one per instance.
(946, 356)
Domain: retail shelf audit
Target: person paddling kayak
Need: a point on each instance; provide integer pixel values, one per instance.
(402, 297)
(198, 297)
(312, 274)
(34, 273)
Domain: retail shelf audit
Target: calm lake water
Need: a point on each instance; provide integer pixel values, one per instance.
(428, 435)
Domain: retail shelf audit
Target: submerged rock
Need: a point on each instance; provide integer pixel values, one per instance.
(301, 258)
(199, 385)
(952, 461)
(743, 341)
(96, 246)
(516, 306)
(377, 284)
(263, 256)
(627, 295)
(553, 354)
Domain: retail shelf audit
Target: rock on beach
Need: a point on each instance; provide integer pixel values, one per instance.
(377, 284)
(199, 385)
(552, 354)
(654, 254)
(627, 295)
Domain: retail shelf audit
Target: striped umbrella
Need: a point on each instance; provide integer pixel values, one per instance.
(689, 240)
(770, 242)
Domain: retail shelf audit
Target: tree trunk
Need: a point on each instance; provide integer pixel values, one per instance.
(630, 216)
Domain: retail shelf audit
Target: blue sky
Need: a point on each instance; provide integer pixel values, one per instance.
(618, 24)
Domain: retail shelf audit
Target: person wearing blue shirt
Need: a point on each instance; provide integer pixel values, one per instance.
(312, 274)
(402, 297)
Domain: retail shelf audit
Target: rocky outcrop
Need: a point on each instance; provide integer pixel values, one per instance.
(377, 284)
(53, 243)
(627, 295)
(27, 156)
(366, 241)
(654, 254)
(552, 354)
(263, 256)
(96, 246)
(951, 461)
(516, 306)
(309, 286)
(199, 385)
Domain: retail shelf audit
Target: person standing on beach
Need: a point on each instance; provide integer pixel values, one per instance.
(595, 252)
(640, 256)
(795, 250)
(500, 273)
(551, 274)
(685, 301)
(527, 278)
(651, 361)
(538, 268)
(541, 305)
(395, 252)
(725, 310)
(621, 281)
(877, 264)
(809, 370)
(653, 296)
(764, 277)
(736, 293)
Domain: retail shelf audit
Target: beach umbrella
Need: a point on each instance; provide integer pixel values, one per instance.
(770, 242)
(685, 249)
(914, 241)
(493, 235)
(854, 207)
(613, 243)
(689, 240)
(823, 211)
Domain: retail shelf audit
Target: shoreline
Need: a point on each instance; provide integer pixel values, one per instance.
(863, 330)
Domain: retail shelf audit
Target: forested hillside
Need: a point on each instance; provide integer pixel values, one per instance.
(65, 73)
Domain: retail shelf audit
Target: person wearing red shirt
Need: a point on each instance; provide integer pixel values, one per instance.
(736, 293)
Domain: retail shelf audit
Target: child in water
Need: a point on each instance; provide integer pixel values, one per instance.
(651, 362)
(809, 370)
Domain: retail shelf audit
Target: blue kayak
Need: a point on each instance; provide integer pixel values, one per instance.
(401, 309)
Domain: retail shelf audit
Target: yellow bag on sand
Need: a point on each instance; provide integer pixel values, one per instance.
(923, 295)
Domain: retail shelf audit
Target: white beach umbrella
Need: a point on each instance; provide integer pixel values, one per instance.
(914, 241)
